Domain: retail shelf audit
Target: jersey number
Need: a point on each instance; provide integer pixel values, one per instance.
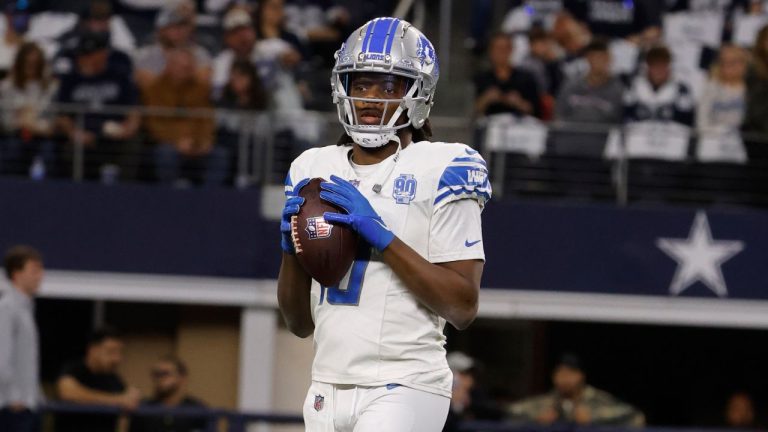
(351, 295)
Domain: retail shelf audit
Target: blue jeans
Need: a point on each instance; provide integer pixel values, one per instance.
(19, 421)
(16, 155)
(169, 165)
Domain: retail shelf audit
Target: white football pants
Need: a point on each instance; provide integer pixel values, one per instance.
(349, 408)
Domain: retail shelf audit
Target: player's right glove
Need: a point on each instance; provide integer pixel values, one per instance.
(292, 206)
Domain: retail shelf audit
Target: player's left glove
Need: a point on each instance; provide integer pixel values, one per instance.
(361, 217)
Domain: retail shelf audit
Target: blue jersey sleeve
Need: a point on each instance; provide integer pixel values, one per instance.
(465, 177)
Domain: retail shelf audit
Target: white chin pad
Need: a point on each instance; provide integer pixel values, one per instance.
(373, 139)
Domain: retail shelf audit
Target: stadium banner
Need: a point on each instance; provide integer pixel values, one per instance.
(532, 247)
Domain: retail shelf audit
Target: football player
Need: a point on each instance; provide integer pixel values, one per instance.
(379, 360)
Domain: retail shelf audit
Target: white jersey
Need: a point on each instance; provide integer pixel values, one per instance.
(370, 330)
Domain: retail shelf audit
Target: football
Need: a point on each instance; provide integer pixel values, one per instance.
(325, 251)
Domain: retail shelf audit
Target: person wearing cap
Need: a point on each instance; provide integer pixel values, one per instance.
(175, 26)
(239, 40)
(573, 401)
(265, 42)
(97, 18)
(107, 136)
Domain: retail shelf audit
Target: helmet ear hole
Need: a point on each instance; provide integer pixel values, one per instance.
(418, 114)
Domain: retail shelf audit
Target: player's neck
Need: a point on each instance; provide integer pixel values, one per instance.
(369, 156)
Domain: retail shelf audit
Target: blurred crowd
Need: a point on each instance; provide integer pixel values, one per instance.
(686, 68)
(572, 401)
(118, 90)
(95, 61)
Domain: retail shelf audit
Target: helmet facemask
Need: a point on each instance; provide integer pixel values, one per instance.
(373, 134)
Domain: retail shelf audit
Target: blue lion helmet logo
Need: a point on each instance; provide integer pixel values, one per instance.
(425, 51)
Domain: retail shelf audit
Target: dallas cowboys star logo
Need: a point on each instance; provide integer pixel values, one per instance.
(699, 257)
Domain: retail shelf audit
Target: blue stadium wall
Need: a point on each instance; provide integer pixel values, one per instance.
(529, 245)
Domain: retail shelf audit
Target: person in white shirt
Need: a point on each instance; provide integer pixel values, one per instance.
(723, 102)
(239, 40)
(25, 99)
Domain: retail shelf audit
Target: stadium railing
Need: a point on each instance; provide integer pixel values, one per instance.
(216, 420)
(220, 420)
(605, 162)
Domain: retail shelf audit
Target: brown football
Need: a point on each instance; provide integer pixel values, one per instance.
(325, 251)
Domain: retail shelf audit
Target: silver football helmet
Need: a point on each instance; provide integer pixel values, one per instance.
(393, 46)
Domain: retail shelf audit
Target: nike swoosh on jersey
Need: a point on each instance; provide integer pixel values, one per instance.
(468, 243)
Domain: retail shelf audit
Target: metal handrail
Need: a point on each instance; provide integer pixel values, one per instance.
(254, 140)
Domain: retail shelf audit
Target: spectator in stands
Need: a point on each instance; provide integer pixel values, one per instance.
(722, 103)
(619, 18)
(270, 24)
(595, 98)
(169, 379)
(97, 18)
(94, 381)
(525, 15)
(469, 400)
(183, 141)
(504, 88)
(108, 137)
(25, 98)
(19, 345)
(655, 95)
(175, 26)
(755, 125)
(281, 48)
(543, 62)
(572, 36)
(462, 367)
(320, 25)
(240, 42)
(244, 92)
(16, 24)
(574, 401)
(740, 412)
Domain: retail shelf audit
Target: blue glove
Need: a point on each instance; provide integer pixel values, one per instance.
(292, 206)
(361, 217)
